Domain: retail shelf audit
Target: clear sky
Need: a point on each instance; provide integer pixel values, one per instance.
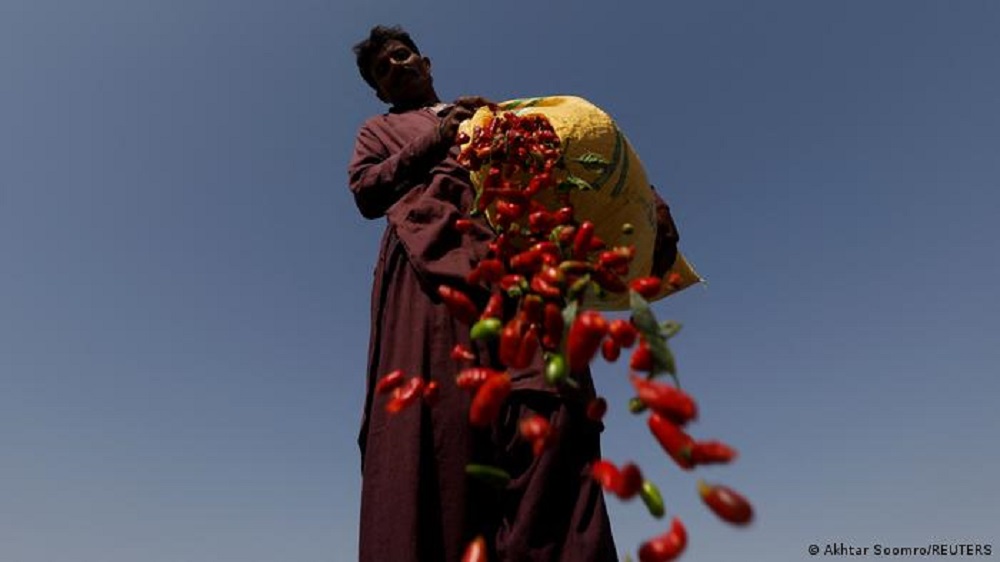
(184, 277)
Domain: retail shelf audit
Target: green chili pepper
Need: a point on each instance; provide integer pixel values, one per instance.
(487, 328)
(636, 405)
(555, 369)
(490, 475)
(651, 496)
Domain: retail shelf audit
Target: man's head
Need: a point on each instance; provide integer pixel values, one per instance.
(390, 62)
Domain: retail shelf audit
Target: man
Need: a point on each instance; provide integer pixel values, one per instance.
(417, 503)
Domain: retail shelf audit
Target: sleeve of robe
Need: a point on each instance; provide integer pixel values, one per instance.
(378, 179)
(421, 190)
(665, 247)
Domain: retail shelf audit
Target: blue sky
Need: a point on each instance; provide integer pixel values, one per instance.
(185, 279)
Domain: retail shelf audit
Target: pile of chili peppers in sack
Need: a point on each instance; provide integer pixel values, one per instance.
(539, 268)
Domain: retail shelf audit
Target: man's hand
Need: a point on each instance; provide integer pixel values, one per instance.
(461, 109)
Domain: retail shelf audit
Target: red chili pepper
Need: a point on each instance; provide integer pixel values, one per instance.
(609, 280)
(563, 215)
(432, 391)
(674, 441)
(491, 270)
(610, 350)
(648, 287)
(543, 288)
(607, 475)
(464, 225)
(581, 242)
(488, 400)
(510, 342)
(596, 244)
(725, 502)
(553, 325)
(405, 395)
(536, 430)
(623, 332)
(528, 348)
(389, 382)
(612, 260)
(531, 308)
(462, 353)
(476, 551)
(667, 546)
(624, 483)
(585, 337)
(642, 358)
(666, 400)
(539, 222)
(566, 235)
(553, 276)
(473, 377)
(675, 280)
(509, 282)
(459, 304)
(712, 452)
(494, 307)
(631, 481)
(527, 261)
(575, 267)
(510, 211)
(596, 409)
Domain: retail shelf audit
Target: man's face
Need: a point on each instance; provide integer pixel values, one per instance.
(400, 74)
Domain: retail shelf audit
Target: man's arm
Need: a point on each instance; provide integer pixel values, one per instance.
(378, 179)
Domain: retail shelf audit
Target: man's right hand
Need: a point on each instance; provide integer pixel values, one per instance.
(462, 108)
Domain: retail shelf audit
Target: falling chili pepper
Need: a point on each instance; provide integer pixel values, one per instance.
(486, 329)
(727, 503)
(553, 324)
(623, 332)
(532, 307)
(494, 307)
(712, 452)
(405, 395)
(527, 348)
(459, 304)
(473, 377)
(462, 353)
(609, 280)
(389, 382)
(510, 343)
(536, 430)
(555, 369)
(489, 475)
(488, 400)
(610, 350)
(631, 481)
(648, 287)
(543, 288)
(464, 225)
(651, 496)
(581, 242)
(674, 441)
(585, 336)
(432, 392)
(596, 409)
(642, 358)
(665, 547)
(476, 551)
(490, 270)
(666, 400)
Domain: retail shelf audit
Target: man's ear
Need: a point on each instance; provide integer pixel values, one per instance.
(427, 63)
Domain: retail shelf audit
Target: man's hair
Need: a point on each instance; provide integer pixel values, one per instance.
(367, 50)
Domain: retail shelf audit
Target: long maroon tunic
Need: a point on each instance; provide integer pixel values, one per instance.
(416, 502)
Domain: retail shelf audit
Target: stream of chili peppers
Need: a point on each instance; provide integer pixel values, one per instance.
(547, 263)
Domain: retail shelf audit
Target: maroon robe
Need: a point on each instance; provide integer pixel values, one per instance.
(416, 502)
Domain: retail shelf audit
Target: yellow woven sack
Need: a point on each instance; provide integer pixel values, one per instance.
(596, 151)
